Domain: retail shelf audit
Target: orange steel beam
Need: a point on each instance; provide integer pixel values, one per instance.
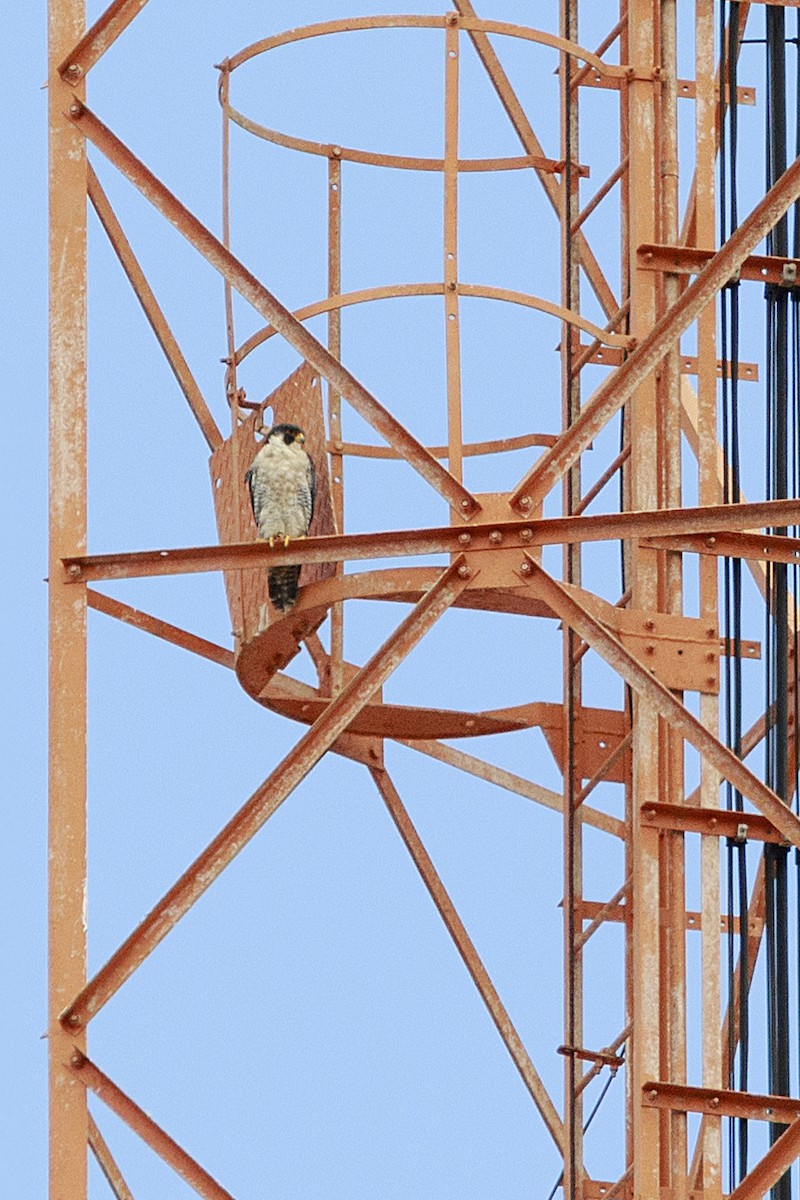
(411, 21)
(271, 308)
(604, 913)
(512, 783)
(684, 818)
(753, 546)
(645, 357)
(706, 520)
(688, 232)
(638, 677)
(532, 146)
(480, 976)
(469, 449)
(613, 357)
(524, 131)
(450, 272)
(399, 162)
(597, 487)
(162, 629)
(779, 1157)
(689, 260)
(599, 195)
(152, 311)
(600, 774)
(721, 1102)
(196, 645)
(85, 1072)
(603, 337)
(336, 445)
(593, 353)
(102, 35)
(67, 612)
(105, 1161)
(266, 799)
(612, 1048)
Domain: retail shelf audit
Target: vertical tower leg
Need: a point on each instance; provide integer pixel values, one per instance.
(708, 494)
(67, 840)
(649, 1129)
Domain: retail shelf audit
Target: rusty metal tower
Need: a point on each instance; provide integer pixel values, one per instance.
(638, 450)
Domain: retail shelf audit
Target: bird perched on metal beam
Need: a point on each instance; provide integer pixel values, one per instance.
(282, 490)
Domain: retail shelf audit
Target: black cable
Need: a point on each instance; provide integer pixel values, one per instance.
(737, 890)
(775, 857)
(589, 1120)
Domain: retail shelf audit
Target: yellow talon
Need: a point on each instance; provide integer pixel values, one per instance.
(286, 540)
(271, 542)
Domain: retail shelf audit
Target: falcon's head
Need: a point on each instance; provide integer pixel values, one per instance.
(286, 435)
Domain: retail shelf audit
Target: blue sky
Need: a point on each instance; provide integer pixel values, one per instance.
(308, 1029)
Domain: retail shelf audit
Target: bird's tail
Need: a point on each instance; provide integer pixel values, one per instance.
(283, 586)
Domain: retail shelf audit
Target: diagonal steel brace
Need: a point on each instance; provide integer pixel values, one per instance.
(635, 673)
(266, 799)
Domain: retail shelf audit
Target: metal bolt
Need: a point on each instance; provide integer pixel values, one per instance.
(652, 1094)
(711, 632)
(714, 1102)
(465, 539)
(76, 110)
(452, 18)
(465, 503)
(650, 623)
(73, 1020)
(650, 648)
(77, 1060)
(336, 151)
(710, 656)
(525, 501)
(73, 570)
(74, 71)
(452, 285)
(495, 537)
(711, 542)
(526, 535)
(711, 681)
(525, 568)
(463, 571)
(338, 445)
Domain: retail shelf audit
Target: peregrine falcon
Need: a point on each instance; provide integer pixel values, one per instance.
(282, 488)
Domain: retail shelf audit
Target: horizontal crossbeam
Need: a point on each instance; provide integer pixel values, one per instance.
(514, 534)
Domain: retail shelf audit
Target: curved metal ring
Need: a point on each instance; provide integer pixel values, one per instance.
(359, 24)
(274, 647)
(479, 291)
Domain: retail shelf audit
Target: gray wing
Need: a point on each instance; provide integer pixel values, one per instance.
(311, 475)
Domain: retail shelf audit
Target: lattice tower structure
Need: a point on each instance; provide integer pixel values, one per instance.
(609, 514)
